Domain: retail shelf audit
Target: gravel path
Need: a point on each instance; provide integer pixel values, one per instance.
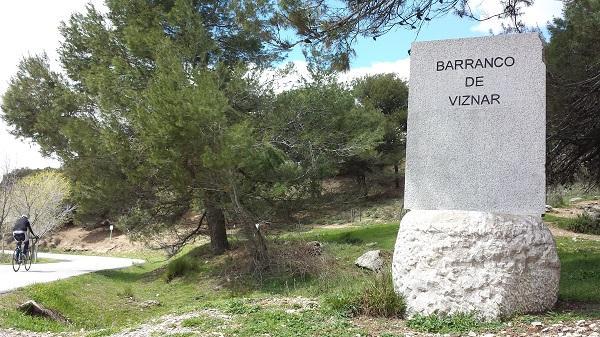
(172, 325)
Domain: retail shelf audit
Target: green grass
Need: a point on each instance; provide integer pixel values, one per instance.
(101, 300)
(109, 301)
(580, 270)
(274, 322)
(583, 223)
(450, 324)
(203, 323)
(559, 195)
(8, 260)
(382, 235)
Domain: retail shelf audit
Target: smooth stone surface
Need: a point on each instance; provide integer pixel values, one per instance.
(370, 260)
(492, 265)
(487, 157)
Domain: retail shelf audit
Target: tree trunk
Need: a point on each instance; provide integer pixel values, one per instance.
(216, 226)
(3, 242)
(397, 178)
(260, 246)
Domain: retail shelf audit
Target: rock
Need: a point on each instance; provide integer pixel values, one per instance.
(370, 260)
(149, 303)
(537, 324)
(572, 200)
(493, 265)
(32, 308)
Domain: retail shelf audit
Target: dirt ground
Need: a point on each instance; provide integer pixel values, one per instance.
(575, 209)
(572, 211)
(78, 239)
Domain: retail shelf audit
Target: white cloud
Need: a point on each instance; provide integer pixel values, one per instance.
(287, 81)
(29, 27)
(538, 15)
(400, 67)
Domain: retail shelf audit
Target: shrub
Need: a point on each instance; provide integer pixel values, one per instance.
(286, 262)
(346, 301)
(375, 298)
(585, 223)
(555, 196)
(126, 292)
(180, 267)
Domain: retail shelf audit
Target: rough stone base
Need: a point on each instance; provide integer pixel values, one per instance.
(490, 265)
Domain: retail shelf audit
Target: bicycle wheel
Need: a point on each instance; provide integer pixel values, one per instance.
(16, 260)
(27, 259)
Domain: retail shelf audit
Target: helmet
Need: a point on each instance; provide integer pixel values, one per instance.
(24, 216)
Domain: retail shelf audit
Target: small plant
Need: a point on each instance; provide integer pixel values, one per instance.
(459, 323)
(585, 223)
(203, 323)
(380, 299)
(555, 196)
(376, 298)
(238, 307)
(346, 302)
(180, 267)
(126, 292)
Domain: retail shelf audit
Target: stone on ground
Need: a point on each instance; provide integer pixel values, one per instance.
(492, 265)
(32, 308)
(370, 260)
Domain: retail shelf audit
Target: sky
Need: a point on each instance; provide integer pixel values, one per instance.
(30, 27)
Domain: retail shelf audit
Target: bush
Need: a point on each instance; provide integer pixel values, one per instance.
(287, 262)
(346, 302)
(180, 267)
(585, 223)
(126, 292)
(555, 196)
(376, 298)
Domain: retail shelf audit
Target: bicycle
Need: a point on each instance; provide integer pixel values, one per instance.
(25, 259)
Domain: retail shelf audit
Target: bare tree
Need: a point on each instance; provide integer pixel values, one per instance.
(44, 198)
(6, 192)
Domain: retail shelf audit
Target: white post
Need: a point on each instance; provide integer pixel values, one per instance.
(110, 235)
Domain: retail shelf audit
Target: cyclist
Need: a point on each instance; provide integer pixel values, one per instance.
(21, 232)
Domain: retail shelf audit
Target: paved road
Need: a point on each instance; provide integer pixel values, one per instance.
(70, 265)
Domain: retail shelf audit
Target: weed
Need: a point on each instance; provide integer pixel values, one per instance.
(180, 267)
(202, 323)
(580, 270)
(379, 298)
(459, 323)
(585, 223)
(374, 298)
(101, 333)
(287, 262)
(346, 302)
(556, 196)
(237, 306)
(559, 195)
(282, 324)
(126, 292)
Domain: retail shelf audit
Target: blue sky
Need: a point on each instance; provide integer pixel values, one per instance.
(389, 53)
(33, 26)
(395, 44)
